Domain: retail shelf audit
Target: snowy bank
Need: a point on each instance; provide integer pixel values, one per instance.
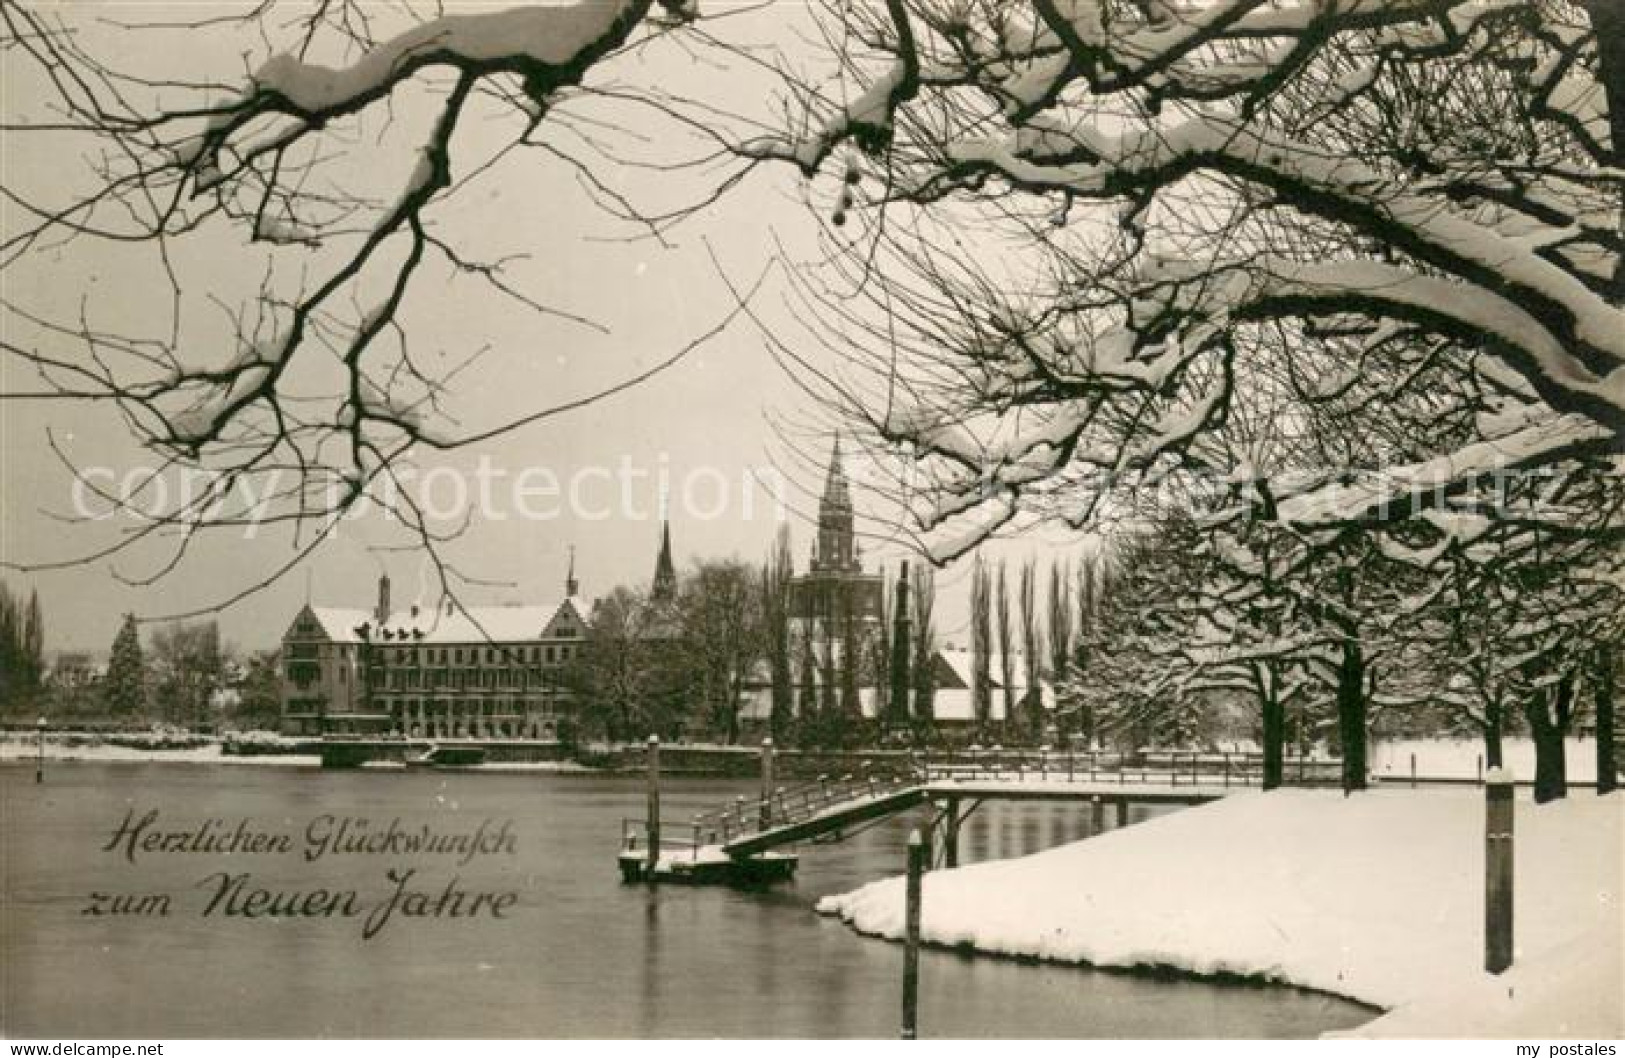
(27, 749)
(1377, 897)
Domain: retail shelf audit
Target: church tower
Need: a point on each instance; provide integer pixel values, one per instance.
(664, 588)
(835, 611)
(836, 550)
(835, 581)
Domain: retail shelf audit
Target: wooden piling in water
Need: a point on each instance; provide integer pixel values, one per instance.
(1498, 804)
(767, 783)
(652, 824)
(1097, 811)
(911, 937)
(950, 835)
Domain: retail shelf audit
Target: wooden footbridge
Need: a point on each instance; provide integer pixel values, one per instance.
(743, 841)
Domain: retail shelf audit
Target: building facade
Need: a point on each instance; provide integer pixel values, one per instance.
(443, 672)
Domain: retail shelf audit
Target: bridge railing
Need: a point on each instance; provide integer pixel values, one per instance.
(676, 836)
(746, 816)
(1162, 767)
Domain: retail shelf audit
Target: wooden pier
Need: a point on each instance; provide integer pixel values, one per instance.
(701, 866)
(739, 843)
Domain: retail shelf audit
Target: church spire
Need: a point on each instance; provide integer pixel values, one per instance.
(837, 548)
(664, 588)
(572, 587)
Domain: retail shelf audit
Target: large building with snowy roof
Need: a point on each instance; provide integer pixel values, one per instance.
(441, 672)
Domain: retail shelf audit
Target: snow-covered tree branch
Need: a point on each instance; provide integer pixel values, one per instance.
(1080, 218)
(336, 168)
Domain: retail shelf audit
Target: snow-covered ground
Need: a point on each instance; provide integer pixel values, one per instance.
(26, 749)
(1377, 897)
(1443, 758)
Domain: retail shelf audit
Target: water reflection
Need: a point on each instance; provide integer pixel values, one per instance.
(580, 955)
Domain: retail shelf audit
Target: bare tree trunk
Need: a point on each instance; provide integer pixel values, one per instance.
(1006, 645)
(807, 728)
(776, 628)
(1351, 714)
(1091, 575)
(981, 644)
(902, 646)
(828, 702)
(1060, 624)
(1492, 736)
(1274, 737)
(925, 654)
(1548, 713)
(1603, 698)
(736, 687)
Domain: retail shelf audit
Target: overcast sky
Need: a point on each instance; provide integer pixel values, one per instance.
(711, 425)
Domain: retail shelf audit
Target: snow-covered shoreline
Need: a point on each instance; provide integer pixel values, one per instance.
(26, 749)
(1377, 897)
(23, 750)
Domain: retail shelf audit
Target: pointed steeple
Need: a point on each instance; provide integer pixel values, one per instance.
(572, 587)
(837, 548)
(664, 588)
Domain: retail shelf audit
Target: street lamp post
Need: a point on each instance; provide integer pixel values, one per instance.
(39, 764)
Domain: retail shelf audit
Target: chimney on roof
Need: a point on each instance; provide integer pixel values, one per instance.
(382, 613)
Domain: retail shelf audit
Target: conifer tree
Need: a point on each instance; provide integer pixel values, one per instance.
(22, 652)
(924, 634)
(125, 689)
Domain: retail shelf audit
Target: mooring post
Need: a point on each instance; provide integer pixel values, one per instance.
(1413, 771)
(950, 835)
(39, 764)
(652, 825)
(767, 783)
(911, 939)
(1498, 870)
(1480, 769)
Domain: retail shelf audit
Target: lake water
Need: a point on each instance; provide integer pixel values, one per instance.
(577, 954)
